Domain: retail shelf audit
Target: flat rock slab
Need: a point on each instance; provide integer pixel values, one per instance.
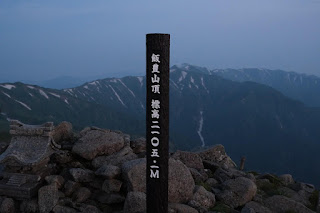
(27, 151)
(98, 142)
(30, 144)
(19, 186)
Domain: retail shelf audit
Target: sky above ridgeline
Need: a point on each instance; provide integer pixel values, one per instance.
(41, 40)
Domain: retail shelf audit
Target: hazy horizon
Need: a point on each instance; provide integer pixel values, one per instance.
(45, 40)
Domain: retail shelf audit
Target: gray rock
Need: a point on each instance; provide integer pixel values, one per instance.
(116, 159)
(62, 157)
(286, 179)
(111, 185)
(62, 132)
(138, 145)
(202, 198)
(197, 176)
(255, 207)
(181, 183)
(108, 171)
(70, 187)
(134, 174)
(48, 197)
(63, 209)
(7, 206)
(222, 175)
(211, 182)
(190, 159)
(81, 195)
(279, 203)
(217, 154)
(29, 206)
(237, 192)
(81, 175)
(135, 202)
(97, 142)
(55, 179)
(180, 208)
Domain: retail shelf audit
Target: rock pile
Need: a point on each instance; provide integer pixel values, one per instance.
(101, 170)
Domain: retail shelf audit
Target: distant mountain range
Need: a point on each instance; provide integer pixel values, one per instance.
(305, 88)
(275, 132)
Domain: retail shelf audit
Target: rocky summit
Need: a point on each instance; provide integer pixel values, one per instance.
(99, 170)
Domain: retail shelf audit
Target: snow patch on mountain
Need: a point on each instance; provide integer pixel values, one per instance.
(113, 80)
(6, 94)
(30, 94)
(140, 80)
(127, 88)
(86, 87)
(116, 94)
(43, 94)
(23, 104)
(183, 76)
(204, 86)
(66, 101)
(200, 129)
(174, 83)
(8, 86)
(54, 94)
(93, 83)
(30, 87)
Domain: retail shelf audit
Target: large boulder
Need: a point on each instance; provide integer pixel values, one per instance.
(237, 192)
(135, 202)
(279, 203)
(108, 171)
(202, 198)
(116, 159)
(98, 142)
(181, 183)
(62, 132)
(286, 179)
(190, 159)
(48, 197)
(217, 154)
(112, 185)
(138, 145)
(134, 174)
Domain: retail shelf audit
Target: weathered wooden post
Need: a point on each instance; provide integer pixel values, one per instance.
(157, 121)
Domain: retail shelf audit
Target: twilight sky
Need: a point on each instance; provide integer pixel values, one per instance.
(41, 40)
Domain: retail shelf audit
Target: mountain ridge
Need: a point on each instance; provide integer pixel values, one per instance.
(248, 118)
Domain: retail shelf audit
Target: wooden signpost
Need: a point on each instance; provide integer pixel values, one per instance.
(157, 121)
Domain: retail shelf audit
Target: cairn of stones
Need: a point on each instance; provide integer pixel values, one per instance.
(99, 170)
